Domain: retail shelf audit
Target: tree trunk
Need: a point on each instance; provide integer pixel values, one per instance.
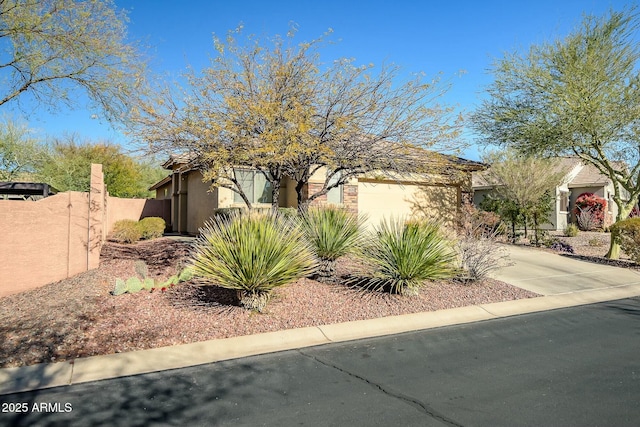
(275, 194)
(326, 271)
(303, 202)
(246, 200)
(614, 250)
(624, 209)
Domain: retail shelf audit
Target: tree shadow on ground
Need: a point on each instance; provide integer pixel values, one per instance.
(601, 260)
(197, 295)
(157, 253)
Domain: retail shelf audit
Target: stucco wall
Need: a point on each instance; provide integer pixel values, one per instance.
(42, 241)
(135, 209)
(384, 199)
(164, 191)
(200, 202)
(59, 236)
(51, 239)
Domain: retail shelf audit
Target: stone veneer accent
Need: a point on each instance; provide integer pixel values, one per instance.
(349, 196)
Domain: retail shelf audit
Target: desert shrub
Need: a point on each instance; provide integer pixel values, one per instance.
(332, 232)
(590, 211)
(253, 254)
(226, 213)
(560, 246)
(627, 234)
(571, 230)
(595, 242)
(401, 257)
(152, 227)
(477, 243)
(288, 212)
(126, 231)
(588, 220)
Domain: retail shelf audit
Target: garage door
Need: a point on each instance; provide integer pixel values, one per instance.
(380, 200)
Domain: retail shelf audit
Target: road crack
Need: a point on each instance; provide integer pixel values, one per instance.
(407, 399)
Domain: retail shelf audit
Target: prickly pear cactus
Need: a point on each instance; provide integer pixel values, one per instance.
(185, 275)
(141, 268)
(134, 284)
(121, 287)
(148, 284)
(170, 282)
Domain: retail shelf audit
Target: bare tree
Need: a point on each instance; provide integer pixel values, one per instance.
(271, 106)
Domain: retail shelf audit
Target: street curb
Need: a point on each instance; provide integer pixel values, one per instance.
(95, 368)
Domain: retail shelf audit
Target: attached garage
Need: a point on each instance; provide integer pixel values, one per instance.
(385, 199)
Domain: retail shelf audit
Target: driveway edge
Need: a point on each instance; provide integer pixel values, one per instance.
(95, 368)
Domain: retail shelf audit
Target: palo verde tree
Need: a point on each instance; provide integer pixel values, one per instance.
(48, 48)
(272, 106)
(576, 96)
(20, 153)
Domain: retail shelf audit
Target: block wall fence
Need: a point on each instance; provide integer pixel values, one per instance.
(60, 236)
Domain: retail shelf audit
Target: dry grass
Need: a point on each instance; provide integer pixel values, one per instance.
(78, 317)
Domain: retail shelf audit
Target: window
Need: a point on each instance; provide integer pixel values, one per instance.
(334, 196)
(564, 201)
(254, 185)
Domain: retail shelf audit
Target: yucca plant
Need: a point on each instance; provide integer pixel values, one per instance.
(402, 256)
(332, 232)
(253, 254)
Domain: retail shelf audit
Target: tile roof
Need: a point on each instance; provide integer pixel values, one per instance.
(588, 175)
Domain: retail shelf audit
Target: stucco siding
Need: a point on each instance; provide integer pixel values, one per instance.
(383, 200)
(200, 202)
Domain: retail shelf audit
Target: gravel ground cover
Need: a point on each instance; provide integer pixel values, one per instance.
(593, 246)
(78, 317)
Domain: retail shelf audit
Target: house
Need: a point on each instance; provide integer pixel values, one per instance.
(193, 201)
(579, 178)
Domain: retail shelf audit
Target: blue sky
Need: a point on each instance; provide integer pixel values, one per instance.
(419, 36)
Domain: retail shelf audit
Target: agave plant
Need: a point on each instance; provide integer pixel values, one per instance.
(402, 256)
(332, 233)
(253, 254)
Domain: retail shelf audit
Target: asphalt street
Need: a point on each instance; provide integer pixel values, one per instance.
(570, 367)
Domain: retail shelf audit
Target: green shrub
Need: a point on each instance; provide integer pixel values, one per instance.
(226, 213)
(152, 227)
(401, 257)
(288, 212)
(126, 231)
(253, 254)
(332, 232)
(627, 234)
(571, 230)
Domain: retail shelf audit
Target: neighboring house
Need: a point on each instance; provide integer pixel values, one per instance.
(579, 178)
(375, 195)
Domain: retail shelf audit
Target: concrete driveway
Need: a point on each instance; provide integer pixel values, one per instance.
(551, 274)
